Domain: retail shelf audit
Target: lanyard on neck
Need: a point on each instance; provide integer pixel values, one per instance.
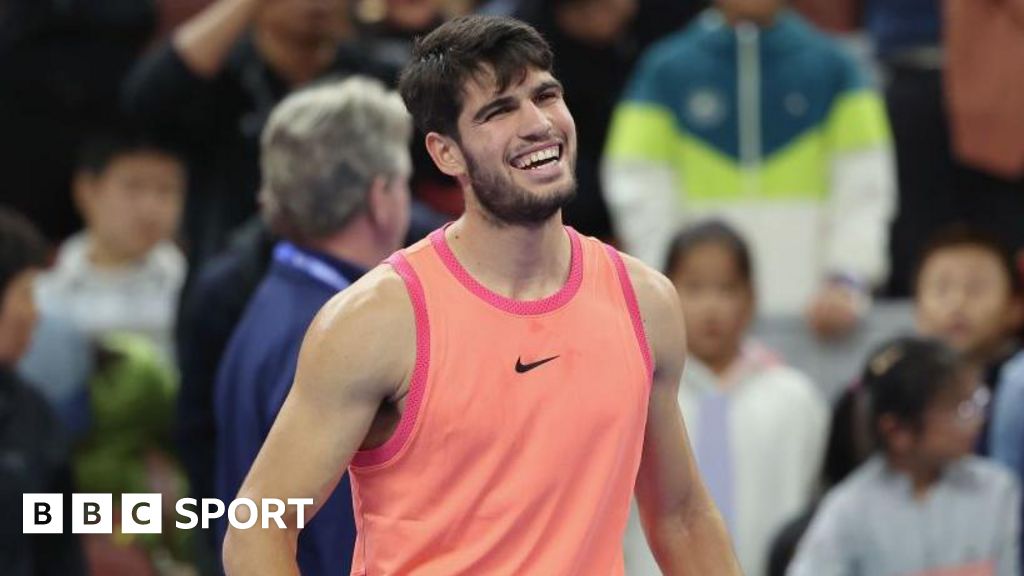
(289, 255)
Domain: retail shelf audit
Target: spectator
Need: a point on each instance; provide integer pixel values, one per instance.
(849, 445)
(753, 421)
(127, 450)
(595, 53)
(1006, 435)
(953, 92)
(122, 273)
(907, 36)
(336, 167)
(985, 94)
(923, 504)
(656, 19)
(389, 31)
(212, 85)
(217, 294)
(209, 312)
(211, 307)
(61, 62)
(968, 294)
(34, 448)
(752, 115)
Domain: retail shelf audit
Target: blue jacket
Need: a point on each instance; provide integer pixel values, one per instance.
(1006, 433)
(897, 25)
(253, 381)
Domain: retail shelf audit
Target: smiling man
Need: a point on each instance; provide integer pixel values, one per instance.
(497, 390)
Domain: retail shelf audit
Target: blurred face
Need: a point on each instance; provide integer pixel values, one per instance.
(964, 298)
(716, 300)
(603, 20)
(134, 204)
(757, 11)
(304, 21)
(950, 425)
(519, 148)
(414, 15)
(17, 318)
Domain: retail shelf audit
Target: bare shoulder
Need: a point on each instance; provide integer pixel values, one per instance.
(654, 292)
(662, 315)
(364, 335)
(379, 297)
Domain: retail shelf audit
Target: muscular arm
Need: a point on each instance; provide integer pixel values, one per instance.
(357, 353)
(682, 524)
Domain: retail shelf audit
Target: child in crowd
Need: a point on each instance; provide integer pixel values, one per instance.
(969, 295)
(33, 446)
(923, 504)
(758, 427)
(122, 273)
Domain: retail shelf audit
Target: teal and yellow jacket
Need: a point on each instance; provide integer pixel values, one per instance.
(774, 130)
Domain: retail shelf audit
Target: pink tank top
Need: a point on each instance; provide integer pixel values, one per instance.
(520, 442)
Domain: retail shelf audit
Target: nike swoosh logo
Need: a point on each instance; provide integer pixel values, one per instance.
(524, 368)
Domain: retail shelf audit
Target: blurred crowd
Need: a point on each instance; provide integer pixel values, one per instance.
(186, 182)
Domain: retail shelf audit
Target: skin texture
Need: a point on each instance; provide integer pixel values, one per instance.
(717, 302)
(964, 298)
(131, 206)
(351, 384)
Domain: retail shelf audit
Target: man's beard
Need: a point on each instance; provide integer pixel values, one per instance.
(508, 204)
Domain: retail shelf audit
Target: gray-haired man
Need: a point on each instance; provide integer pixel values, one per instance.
(335, 168)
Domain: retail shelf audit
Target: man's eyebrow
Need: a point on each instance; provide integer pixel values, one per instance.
(547, 85)
(497, 103)
(509, 101)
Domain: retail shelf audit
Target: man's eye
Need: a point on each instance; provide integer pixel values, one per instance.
(548, 96)
(496, 113)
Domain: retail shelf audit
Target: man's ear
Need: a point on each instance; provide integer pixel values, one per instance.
(446, 154)
(376, 204)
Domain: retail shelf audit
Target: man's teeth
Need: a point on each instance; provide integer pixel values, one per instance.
(536, 157)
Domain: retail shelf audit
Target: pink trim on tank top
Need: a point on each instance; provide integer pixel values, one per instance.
(418, 381)
(634, 308)
(520, 307)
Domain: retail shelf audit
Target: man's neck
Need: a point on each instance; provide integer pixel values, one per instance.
(296, 63)
(356, 244)
(513, 261)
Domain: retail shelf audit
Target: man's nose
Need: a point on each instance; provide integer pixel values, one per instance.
(536, 125)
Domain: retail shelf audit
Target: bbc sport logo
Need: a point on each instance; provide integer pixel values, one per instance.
(143, 513)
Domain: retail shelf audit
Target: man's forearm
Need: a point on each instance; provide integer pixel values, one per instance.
(205, 41)
(259, 551)
(693, 544)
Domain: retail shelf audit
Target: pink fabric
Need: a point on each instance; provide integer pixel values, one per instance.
(512, 306)
(634, 308)
(495, 479)
(418, 382)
